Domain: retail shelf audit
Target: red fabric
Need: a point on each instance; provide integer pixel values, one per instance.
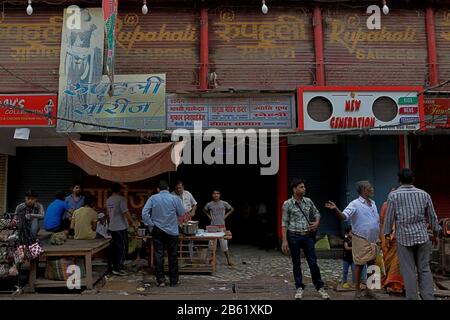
(124, 163)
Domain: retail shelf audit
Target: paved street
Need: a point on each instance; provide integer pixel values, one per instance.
(257, 275)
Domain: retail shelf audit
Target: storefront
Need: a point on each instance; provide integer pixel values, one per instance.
(430, 153)
(227, 67)
(3, 181)
(359, 130)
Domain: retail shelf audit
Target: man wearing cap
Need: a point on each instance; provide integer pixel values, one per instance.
(102, 227)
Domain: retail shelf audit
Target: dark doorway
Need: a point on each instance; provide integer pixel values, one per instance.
(245, 189)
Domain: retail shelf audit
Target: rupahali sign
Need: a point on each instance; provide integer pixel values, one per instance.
(349, 108)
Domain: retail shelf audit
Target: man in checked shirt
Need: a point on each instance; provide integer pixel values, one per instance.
(412, 212)
(300, 221)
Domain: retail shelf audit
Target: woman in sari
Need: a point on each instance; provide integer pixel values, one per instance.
(392, 281)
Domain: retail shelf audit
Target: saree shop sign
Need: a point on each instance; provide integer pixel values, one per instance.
(349, 108)
(437, 113)
(41, 110)
(230, 112)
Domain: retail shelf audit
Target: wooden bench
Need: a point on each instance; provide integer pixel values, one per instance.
(201, 260)
(71, 248)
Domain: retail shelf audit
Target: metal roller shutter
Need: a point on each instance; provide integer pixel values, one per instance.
(249, 50)
(394, 55)
(442, 18)
(317, 165)
(44, 169)
(29, 50)
(164, 41)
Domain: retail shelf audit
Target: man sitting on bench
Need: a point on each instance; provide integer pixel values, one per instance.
(84, 220)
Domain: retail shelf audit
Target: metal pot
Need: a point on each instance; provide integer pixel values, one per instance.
(190, 227)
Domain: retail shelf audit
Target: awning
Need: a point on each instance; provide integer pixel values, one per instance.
(124, 163)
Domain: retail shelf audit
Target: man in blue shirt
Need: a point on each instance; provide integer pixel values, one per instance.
(75, 200)
(160, 214)
(54, 217)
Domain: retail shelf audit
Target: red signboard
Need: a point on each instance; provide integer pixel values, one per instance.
(27, 110)
(437, 112)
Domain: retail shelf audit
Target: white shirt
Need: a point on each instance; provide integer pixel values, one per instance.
(364, 218)
(102, 229)
(187, 199)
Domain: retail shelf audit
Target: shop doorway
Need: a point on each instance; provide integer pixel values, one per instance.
(246, 190)
(430, 156)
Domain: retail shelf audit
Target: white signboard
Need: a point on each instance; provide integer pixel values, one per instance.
(350, 108)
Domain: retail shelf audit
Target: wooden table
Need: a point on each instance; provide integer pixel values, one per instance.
(200, 260)
(71, 248)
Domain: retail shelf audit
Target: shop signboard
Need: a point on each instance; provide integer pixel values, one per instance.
(30, 110)
(437, 112)
(355, 108)
(263, 111)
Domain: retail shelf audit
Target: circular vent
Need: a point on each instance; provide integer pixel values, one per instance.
(320, 109)
(385, 109)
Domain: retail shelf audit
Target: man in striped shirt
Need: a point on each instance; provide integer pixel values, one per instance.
(412, 212)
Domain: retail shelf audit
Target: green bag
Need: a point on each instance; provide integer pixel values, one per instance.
(323, 244)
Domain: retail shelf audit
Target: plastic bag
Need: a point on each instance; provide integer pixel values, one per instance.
(35, 250)
(323, 244)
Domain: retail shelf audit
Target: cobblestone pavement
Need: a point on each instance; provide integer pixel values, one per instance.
(257, 275)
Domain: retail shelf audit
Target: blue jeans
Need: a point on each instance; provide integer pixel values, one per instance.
(345, 266)
(296, 243)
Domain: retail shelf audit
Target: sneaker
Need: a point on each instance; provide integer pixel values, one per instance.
(161, 284)
(323, 294)
(346, 285)
(299, 294)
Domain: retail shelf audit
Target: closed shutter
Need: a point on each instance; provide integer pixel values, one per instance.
(44, 169)
(442, 18)
(164, 41)
(317, 165)
(29, 49)
(3, 181)
(250, 50)
(394, 55)
(430, 156)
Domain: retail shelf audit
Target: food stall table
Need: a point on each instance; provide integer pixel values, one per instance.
(196, 253)
(71, 248)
